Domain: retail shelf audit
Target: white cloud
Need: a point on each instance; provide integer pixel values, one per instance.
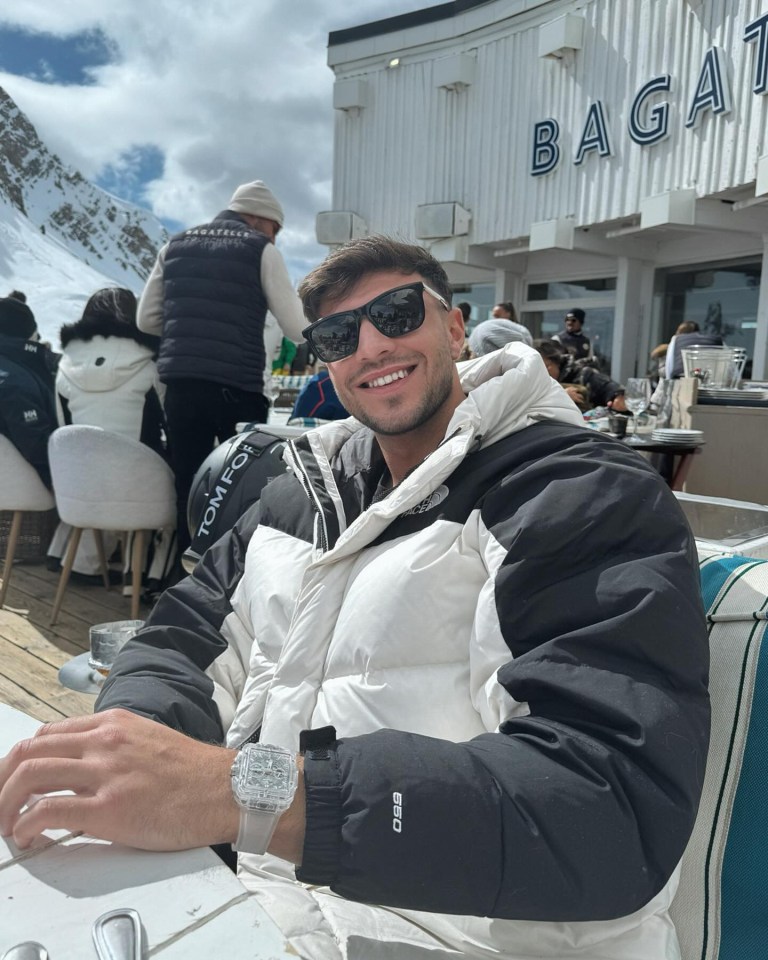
(227, 91)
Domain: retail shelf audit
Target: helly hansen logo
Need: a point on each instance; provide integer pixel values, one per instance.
(397, 812)
(30, 416)
(429, 503)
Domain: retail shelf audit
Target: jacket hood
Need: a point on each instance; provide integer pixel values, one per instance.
(102, 363)
(507, 391)
(90, 327)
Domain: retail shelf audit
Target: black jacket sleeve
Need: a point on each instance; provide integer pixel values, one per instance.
(162, 672)
(582, 809)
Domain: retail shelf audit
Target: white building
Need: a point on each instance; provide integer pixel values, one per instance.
(607, 154)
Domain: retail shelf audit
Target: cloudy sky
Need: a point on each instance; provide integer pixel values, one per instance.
(173, 103)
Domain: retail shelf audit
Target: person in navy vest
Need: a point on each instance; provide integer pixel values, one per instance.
(207, 298)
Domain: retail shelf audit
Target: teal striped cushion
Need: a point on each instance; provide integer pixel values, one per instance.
(721, 908)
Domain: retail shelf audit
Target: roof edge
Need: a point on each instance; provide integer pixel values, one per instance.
(442, 11)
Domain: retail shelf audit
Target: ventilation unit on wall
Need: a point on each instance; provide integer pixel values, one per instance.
(350, 95)
(436, 220)
(454, 73)
(562, 36)
(337, 226)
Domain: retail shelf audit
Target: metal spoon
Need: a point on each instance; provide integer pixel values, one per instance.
(118, 936)
(29, 950)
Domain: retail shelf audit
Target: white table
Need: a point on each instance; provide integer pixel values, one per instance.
(191, 905)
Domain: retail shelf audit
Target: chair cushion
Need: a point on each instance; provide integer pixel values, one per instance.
(721, 907)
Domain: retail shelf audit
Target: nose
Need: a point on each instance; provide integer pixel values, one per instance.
(372, 344)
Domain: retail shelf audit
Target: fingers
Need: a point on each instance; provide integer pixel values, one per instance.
(60, 812)
(42, 776)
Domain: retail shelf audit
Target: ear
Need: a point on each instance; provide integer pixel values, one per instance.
(455, 323)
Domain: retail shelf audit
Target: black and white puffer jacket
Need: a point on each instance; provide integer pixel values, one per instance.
(511, 648)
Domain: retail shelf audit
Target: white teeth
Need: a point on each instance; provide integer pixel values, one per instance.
(388, 378)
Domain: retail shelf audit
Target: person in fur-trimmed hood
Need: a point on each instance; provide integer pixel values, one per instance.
(107, 375)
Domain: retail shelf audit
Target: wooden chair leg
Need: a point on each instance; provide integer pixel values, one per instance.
(138, 567)
(69, 559)
(10, 550)
(98, 536)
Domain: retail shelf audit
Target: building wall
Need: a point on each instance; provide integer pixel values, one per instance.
(415, 143)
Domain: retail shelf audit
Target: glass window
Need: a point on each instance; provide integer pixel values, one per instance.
(721, 297)
(480, 296)
(597, 289)
(598, 327)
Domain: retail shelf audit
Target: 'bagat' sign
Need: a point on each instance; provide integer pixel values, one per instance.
(649, 124)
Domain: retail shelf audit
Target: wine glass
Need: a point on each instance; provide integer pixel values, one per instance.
(637, 396)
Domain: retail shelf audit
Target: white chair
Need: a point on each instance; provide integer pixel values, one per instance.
(21, 489)
(104, 481)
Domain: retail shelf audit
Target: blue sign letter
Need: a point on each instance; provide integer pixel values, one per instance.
(546, 152)
(712, 90)
(595, 135)
(758, 30)
(658, 128)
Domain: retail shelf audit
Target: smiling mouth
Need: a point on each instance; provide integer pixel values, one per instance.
(388, 378)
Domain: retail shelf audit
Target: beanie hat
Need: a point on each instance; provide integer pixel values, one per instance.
(257, 200)
(491, 335)
(577, 313)
(16, 319)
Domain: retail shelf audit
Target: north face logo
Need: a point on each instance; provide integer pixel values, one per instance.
(430, 502)
(30, 416)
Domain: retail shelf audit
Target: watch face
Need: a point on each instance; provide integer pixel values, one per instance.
(265, 777)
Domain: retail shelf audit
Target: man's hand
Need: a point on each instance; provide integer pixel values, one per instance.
(133, 781)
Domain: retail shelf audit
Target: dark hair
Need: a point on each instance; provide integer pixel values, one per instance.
(117, 303)
(348, 264)
(577, 313)
(18, 295)
(688, 326)
(466, 310)
(551, 350)
(510, 308)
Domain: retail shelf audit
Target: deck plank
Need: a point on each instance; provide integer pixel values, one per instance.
(32, 651)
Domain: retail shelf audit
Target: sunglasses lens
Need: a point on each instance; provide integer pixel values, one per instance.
(398, 312)
(335, 337)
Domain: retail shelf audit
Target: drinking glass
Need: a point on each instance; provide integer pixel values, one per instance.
(637, 396)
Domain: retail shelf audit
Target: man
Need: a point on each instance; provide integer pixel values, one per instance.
(572, 338)
(457, 580)
(208, 297)
(27, 398)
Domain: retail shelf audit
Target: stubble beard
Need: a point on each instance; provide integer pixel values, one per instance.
(433, 400)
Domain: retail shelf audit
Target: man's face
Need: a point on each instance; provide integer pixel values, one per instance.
(398, 385)
(572, 324)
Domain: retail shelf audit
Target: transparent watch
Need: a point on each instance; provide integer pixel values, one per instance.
(264, 781)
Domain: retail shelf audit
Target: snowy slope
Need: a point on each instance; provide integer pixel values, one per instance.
(61, 237)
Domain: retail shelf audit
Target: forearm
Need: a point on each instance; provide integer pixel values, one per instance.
(149, 314)
(282, 299)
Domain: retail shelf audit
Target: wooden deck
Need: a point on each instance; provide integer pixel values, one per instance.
(31, 651)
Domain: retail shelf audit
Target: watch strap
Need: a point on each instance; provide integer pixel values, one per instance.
(255, 830)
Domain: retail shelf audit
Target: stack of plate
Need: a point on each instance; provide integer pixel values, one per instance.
(734, 393)
(682, 438)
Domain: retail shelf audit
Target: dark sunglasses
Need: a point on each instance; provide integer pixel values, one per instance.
(394, 313)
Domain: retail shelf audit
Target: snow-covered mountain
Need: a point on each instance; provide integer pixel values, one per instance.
(61, 237)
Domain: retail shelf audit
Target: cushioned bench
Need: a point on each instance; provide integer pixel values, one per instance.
(721, 908)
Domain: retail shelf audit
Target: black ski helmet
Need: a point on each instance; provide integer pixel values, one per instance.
(229, 481)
